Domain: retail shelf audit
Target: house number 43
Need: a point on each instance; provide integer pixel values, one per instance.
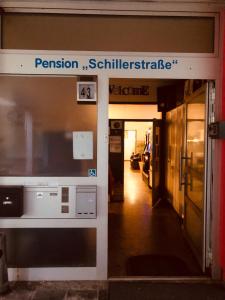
(86, 91)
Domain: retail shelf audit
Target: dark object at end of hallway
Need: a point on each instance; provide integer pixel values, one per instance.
(134, 161)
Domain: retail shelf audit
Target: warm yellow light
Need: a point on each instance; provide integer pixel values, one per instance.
(132, 190)
(195, 140)
(132, 199)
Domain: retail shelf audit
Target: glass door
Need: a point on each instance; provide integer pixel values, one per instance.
(195, 164)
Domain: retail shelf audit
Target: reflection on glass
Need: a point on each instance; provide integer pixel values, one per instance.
(37, 118)
(195, 152)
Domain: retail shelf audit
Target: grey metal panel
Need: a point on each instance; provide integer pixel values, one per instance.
(51, 247)
(86, 188)
(86, 198)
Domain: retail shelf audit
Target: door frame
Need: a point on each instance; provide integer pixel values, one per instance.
(139, 121)
(191, 66)
(206, 259)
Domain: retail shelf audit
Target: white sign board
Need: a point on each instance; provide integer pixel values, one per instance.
(121, 65)
(83, 145)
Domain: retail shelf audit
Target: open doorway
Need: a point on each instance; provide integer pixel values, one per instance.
(157, 192)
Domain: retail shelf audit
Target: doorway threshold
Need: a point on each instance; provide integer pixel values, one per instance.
(163, 279)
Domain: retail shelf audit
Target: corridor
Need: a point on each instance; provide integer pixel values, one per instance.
(145, 241)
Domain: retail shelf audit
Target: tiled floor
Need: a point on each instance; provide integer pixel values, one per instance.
(71, 290)
(137, 229)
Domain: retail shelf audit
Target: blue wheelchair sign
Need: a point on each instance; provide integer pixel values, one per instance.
(92, 173)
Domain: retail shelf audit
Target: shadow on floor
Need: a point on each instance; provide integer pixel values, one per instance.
(157, 265)
(165, 291)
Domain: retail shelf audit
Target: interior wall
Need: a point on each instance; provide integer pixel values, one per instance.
(134, 111)
(141, 128)
(130, 142)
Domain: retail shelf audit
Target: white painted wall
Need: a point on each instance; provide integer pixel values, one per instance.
(129, 143)
(141, 129)
(134, 111)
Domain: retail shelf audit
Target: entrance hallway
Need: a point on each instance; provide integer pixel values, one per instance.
(145, 241)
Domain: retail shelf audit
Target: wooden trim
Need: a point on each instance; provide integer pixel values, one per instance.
(114, 7)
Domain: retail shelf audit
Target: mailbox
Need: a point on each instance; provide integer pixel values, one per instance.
(11, 201)
(86, 198)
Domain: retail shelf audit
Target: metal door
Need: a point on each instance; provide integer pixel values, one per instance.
(116, 159)
(195, 165)
(175, 124)
(155, 162)
(170, 134)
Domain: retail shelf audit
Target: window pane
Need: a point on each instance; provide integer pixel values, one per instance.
(108, 33)
(38, 116)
